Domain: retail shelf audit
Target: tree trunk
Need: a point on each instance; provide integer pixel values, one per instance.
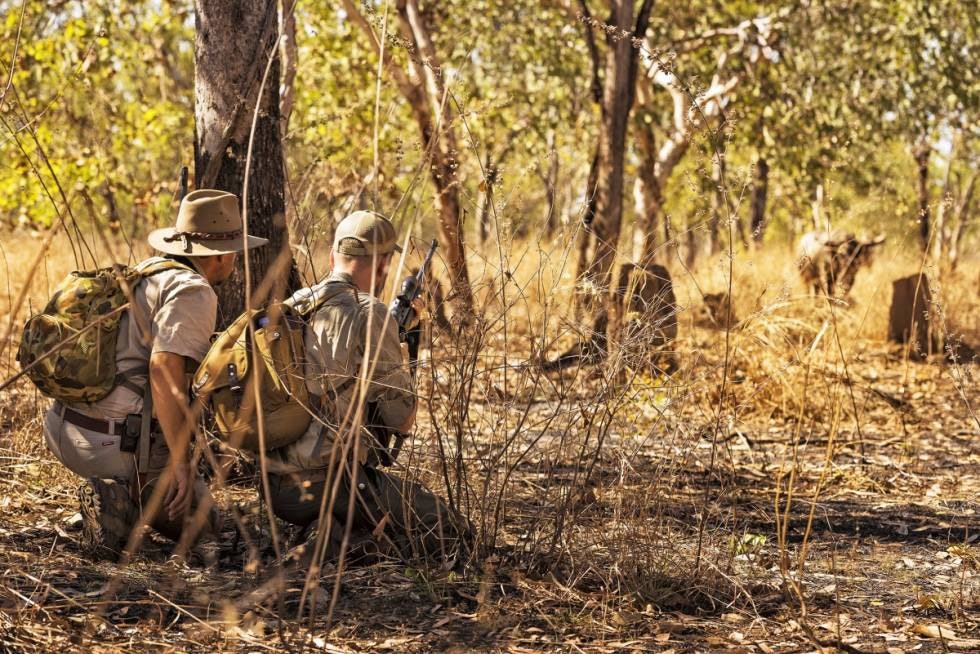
(485, 197)
(619, 89)
(425, 91)
(288, 52)
(760, 191)
(585, 238)
(941, 227)
(691, 245)
(740, 226)
(817, 213)
(233, 44)
(964, 215)
(796, 219)
(922, 152)
(425, 94)
(649, 198)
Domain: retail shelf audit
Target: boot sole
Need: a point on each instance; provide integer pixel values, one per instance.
(105, 543)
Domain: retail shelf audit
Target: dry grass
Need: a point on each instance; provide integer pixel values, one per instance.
(796, 484)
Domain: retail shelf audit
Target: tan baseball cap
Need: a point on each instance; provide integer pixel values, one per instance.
(365, 233)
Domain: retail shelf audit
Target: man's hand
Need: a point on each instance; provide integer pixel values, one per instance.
(180, 492)
(167, 382)
(418, 307)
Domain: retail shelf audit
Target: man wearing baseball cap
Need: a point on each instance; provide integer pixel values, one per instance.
(330, 477)
(166, 331)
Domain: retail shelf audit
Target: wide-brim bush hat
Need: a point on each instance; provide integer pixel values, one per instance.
(208, 223)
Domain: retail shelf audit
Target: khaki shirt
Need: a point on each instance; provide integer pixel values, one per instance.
(180, 310)
(350, 338)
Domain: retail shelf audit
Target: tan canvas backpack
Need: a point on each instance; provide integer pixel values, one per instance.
(231, 369)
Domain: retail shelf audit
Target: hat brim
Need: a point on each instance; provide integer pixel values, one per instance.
(199, 248)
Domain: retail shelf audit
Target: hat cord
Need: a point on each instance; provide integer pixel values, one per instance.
(204, 236)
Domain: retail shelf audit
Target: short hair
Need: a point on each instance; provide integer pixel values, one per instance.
(353, 258)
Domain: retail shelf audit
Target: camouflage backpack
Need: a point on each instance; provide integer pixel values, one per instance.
(69, 349)
(227, 376)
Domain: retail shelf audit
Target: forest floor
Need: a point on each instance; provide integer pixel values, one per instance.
(796, 486)
(892, 562)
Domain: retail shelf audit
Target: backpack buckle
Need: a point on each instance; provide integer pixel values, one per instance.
(234, 383)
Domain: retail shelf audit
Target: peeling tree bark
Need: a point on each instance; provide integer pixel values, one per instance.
(234, 40)
(424, 90)
(289, 56)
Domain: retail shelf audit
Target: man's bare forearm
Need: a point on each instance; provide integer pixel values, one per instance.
(170, 401)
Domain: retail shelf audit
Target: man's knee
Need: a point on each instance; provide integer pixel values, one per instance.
(296, 499)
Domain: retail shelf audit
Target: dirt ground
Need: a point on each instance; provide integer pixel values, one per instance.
(796, 486)
(889, 525)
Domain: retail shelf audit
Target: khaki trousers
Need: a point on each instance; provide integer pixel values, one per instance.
(89, 454)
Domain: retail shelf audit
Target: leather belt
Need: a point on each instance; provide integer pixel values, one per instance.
(109, 427)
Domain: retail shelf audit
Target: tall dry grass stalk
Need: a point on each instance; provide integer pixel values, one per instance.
(597, 476)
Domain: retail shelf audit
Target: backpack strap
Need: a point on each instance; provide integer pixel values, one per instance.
(160, 265)
(307, 301)
(125, 379)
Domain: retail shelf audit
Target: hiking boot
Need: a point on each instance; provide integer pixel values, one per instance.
(204, 554)
(364, 549)
(108, 515)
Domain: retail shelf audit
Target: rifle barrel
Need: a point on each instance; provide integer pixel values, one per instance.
(183, 183)
(425, 262)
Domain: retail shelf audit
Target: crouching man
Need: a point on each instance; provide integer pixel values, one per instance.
(356, 369)
(165, 332)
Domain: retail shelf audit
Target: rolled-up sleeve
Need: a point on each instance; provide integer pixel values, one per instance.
(391, 382)
(185, 320)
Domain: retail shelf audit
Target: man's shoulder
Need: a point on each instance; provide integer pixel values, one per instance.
(177, 274)
(348, 312)
(363, 304)
(351, 303)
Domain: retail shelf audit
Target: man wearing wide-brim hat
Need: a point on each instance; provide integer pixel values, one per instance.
(165, 332)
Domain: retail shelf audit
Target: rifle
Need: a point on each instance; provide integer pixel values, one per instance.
(403, 313)
(183, 184)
